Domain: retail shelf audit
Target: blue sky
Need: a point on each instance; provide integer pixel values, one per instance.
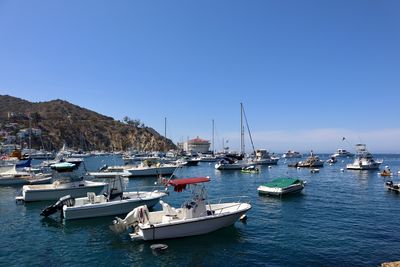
(307, 72)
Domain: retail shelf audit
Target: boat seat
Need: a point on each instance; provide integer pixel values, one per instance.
(169, 211)
(91, 196)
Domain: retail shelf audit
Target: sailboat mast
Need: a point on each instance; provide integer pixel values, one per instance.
(213, 150)
(241, 130)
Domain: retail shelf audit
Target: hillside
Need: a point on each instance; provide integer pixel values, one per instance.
(79, 128)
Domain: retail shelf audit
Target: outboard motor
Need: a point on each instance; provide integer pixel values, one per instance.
(103, 168)
(65, 200)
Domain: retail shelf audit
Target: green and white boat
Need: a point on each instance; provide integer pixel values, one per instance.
(281, 186)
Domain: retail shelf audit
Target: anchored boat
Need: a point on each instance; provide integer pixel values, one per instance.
(195, 217)
(281, 186)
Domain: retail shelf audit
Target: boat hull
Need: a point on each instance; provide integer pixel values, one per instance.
(50, 192)
(151, 171)
(363, 167)
(111, 208)
(275, 191)
(191, 227)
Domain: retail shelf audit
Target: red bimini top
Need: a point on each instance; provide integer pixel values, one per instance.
(180, 184)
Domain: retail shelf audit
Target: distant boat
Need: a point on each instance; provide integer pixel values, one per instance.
(250, 169)
(291, 154)
(311, 162)
(230, 164)
(264, 158)
(342, 153)
(109, 172)
(281, 186)
(148, 168)
(364, 160)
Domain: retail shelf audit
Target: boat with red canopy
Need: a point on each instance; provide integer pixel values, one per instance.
(196, 216)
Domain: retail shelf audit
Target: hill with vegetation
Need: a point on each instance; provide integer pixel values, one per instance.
(62, 122)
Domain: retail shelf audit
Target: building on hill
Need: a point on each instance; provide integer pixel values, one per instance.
(196, 145)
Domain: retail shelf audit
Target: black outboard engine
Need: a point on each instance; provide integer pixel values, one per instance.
(103, 168)
(65, 200)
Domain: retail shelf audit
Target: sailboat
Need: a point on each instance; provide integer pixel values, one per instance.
(236, 163)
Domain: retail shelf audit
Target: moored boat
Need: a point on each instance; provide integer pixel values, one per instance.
(364, 160)
(250, 169)
(148, 168)
(59, 189)
(281, 186)
(342, 153)
(291, 154)
(311, 162)
(263, 157)
(195, 217)
(113, 202)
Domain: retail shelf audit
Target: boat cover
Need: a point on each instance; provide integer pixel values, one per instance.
(282, 182)
(180, 184)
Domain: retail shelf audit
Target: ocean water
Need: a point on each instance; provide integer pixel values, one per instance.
(340, 219)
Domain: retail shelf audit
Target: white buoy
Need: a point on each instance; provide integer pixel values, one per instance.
(243, 218)
(342, 170)
(269, 167)
(298, 168)
(158, 247)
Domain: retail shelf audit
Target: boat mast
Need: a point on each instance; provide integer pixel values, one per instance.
(165, 127)
(248, 129)
(241, 130)
(213, 148)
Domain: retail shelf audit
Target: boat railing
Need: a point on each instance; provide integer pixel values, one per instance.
(239, 200)
(150, 188)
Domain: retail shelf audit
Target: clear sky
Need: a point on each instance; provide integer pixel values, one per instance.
(308, 72)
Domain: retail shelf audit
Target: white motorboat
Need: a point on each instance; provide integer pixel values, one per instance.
(364, 160)
(281, 186)
(15, 177)
(110, 172)
(195, 217)
(342, 153)
(291, 154)
(59, 189)
(231, 164)
(150, 169)
(114, 202)
(264, 158)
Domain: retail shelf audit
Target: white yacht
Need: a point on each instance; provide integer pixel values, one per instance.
(291, 154)
(264, 158)
(342, 153)
(150, 168)
(364, 160)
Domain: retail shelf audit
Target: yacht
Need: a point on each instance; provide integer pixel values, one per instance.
(364, 160)
(342, 153)
(291, 154)
(264, 158)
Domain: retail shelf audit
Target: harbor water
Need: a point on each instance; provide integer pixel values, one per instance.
(341, 218)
